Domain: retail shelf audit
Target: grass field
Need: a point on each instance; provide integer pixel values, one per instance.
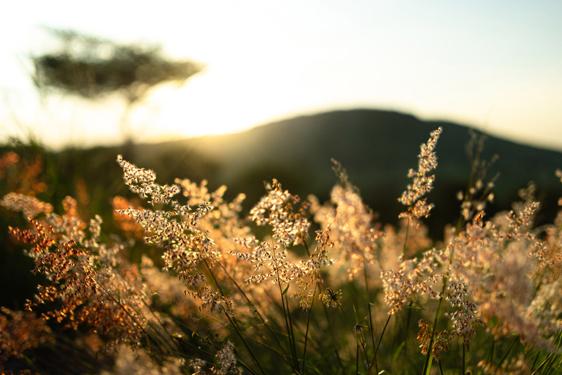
(182, 278)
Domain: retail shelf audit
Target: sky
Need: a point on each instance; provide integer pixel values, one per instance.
(496, 65)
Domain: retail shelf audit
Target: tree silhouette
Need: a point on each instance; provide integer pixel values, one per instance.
(94, 68)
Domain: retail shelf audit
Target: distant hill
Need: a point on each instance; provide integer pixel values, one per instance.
(376, 147)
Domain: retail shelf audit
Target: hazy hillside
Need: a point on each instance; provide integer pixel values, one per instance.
(377, 148)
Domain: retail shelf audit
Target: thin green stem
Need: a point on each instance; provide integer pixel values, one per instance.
(379, 343)
(372, 334)
(370, 322)
(333, 337)
(244, 342)
(504, 357)
(360, 340)
(309, 313)
(404, 247)
(232, 321)
(356, 355)
(535, 361)
(254, 307)
(427, 365)
(287, 326)
(291, 326)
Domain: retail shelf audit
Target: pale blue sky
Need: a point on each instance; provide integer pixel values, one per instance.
(494, 64)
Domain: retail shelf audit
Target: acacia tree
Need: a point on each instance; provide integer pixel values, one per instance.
(94, 68)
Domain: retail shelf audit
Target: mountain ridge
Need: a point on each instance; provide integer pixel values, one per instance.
(376, 147)
(298, 117)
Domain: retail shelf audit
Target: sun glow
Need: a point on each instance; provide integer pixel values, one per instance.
(215, 102)
(269, 60)
(204, 107)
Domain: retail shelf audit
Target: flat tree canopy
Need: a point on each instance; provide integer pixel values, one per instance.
(93, 68)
